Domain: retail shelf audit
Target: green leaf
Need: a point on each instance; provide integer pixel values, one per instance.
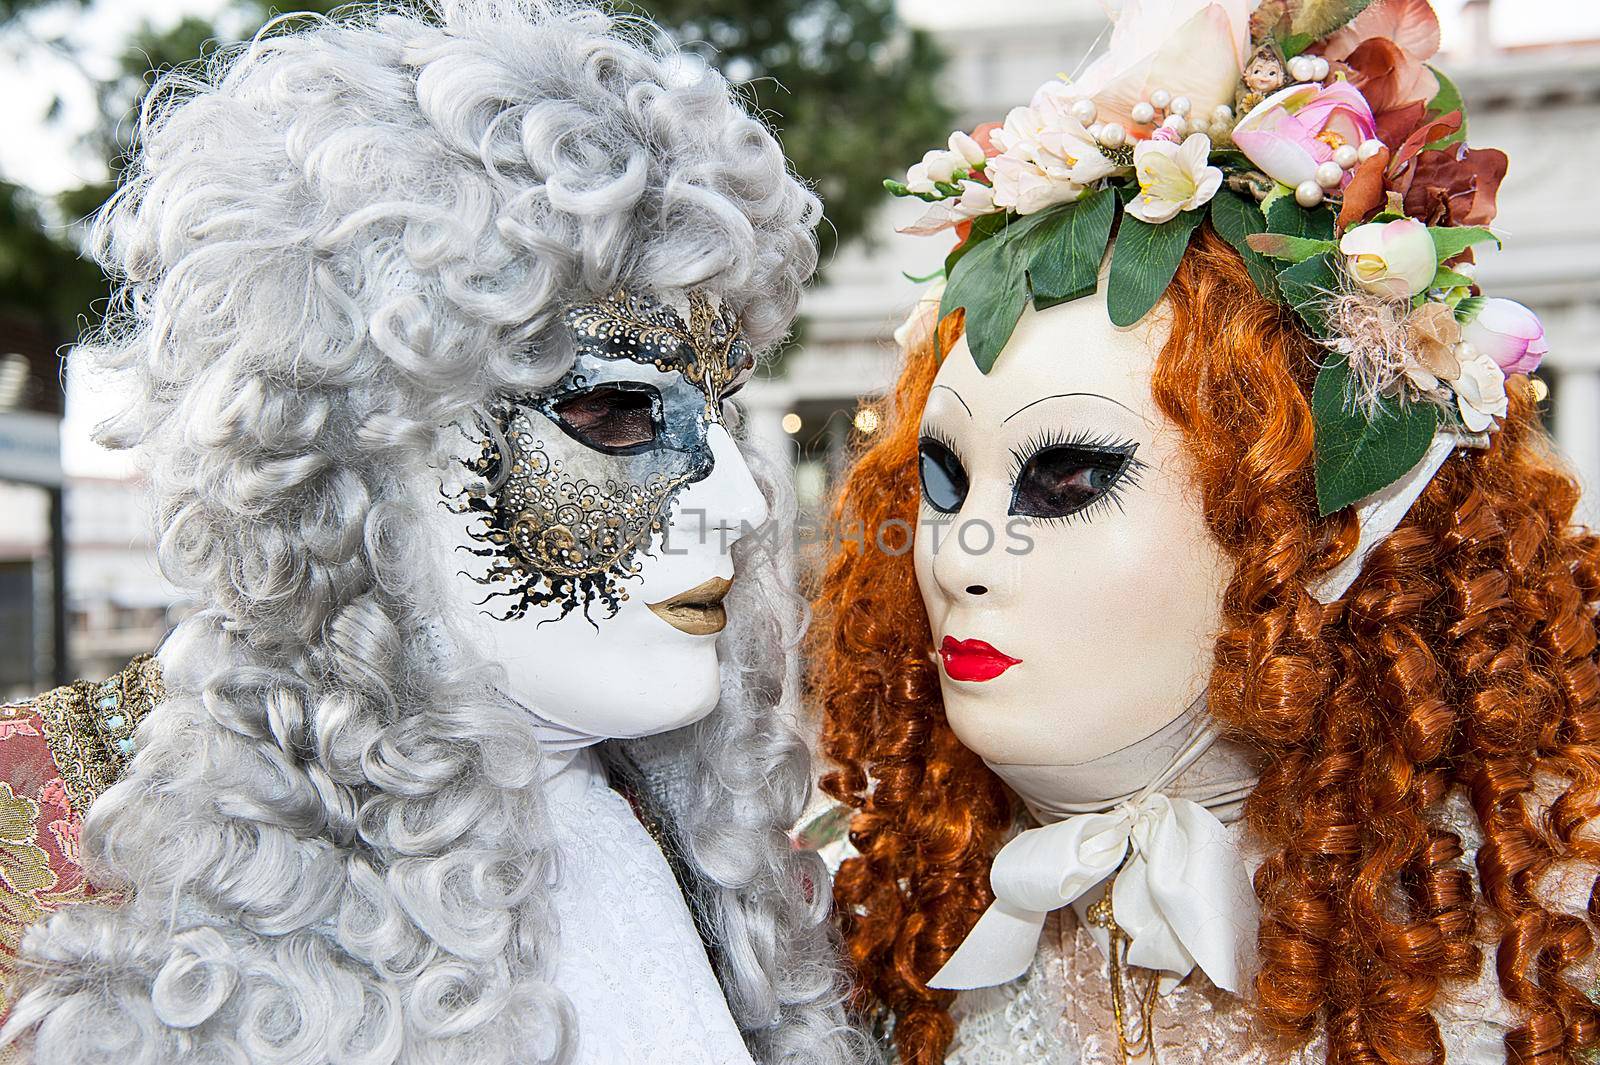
(924, 279)
(1315, 19)
(1447, 278)
(1453, 240)
(1144, 262)
(1290, 249)
(1279, 191)
(1066, 249)
(991, 285)
(1357, 456)
(1054, 256)
(1286, 216)
(1447, 100)
(1236, 218)
(1306, 287)
(983, 227)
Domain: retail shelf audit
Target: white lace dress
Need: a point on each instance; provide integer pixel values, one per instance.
(1060, 1011)
(631, 962)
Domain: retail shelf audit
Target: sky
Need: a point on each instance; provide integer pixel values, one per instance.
(42, 153)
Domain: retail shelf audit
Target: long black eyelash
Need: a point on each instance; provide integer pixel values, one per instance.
(939, 436)
(1128, 477)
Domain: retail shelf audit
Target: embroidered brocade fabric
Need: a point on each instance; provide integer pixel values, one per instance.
(1060, 1012)
(58, 752)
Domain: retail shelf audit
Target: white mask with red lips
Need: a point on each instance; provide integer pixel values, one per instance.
(594, 571)
(1072, 588)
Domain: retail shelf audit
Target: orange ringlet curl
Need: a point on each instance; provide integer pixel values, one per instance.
(1463, 656)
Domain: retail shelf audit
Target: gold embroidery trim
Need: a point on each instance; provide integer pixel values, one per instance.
(89, 727)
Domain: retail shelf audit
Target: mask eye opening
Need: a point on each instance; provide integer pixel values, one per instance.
(942, 474)
(616, 418)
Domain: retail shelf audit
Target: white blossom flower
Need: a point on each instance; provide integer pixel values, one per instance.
(1191, 48)
(1480, 390)
(1173, 178)
(976, 199)
(942, 165)
(1047, 157)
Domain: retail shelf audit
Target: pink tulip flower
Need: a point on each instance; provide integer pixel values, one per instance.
(1294, 131)
(1510, 334)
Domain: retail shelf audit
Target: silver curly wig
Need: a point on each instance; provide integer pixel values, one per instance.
(336, 241)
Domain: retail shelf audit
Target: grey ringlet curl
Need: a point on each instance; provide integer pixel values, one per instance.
(334, 242)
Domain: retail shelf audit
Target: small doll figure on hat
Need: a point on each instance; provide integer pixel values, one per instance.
(1265, 74)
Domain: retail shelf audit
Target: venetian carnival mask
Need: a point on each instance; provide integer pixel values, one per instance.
(594, 528)
(1071, 585)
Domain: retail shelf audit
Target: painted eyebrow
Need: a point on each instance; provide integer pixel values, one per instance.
(1068, 395)
(959, 400)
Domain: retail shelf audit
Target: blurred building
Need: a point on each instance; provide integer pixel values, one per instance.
(1536, 103)
(116, 604)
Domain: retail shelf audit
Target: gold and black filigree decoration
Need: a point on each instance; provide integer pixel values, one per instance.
(710, 352)
(567, 525)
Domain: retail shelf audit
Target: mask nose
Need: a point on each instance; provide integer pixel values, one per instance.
(970, 561)
(728, 503)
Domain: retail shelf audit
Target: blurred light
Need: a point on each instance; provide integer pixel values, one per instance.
(13, 381)
(866, 420)
(792, 423)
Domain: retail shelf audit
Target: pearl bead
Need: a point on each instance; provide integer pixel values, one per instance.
(1198, 124)
(1320, 69)
(1330, 175)
(1161, 99)
(1301, 68)
(1177, 124)
(1181, 106)
(1112, 135)
(1309, 195)
(1222, 115)
(1085, 111)
(1346, 156)
(1369, 149)
(1144, 114)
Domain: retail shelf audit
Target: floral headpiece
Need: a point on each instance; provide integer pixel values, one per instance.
(1322, 146)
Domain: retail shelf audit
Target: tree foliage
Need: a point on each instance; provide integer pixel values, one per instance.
(851, 93)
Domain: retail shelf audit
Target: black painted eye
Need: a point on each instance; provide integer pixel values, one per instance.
(611, 418)
(1056, 482)
(944, 479)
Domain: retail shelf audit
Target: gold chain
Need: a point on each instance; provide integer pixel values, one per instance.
(1143, 1044)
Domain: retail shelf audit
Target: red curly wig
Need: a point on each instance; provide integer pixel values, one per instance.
(1464, 655)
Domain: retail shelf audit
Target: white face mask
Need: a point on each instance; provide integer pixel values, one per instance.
(1073, 590)
(594, 568)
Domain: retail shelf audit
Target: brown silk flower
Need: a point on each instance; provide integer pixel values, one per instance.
(1432, 334)
(1454, 186)
(1450, 186)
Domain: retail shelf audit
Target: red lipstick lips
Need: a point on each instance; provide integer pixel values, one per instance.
(973, 660)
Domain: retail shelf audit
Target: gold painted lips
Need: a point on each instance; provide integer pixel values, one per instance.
(698, 611)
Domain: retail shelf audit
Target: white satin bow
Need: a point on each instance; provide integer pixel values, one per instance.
(1183, 899)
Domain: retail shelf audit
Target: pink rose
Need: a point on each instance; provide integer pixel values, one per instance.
(1294, 131)
(1510, 334)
